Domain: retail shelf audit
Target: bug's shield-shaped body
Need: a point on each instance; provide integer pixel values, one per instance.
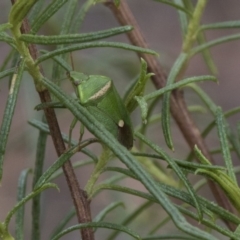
(99, 96)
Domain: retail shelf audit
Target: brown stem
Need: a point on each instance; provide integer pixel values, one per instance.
(78, 195)
(178, 106)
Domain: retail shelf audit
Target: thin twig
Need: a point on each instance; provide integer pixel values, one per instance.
(78, 195)
(178, 106)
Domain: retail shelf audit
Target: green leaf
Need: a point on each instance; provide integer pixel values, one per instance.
(128, 219)
(123, 154)
(19, 11)
(98, 225)
(169, 236)
(8, 112)
(234, 140)
(64, 222)
(183, 17)
(35, 11)
(176, 169)
(186, 198)
(93, 45)
(5, 26)
(101, 215)
(205, 98)
(24, 200)
(75, 165)
(7, 72)
(214, 43)
(212, 124)
(181, 163)
(207, 54)
(68, 19)
(210, 224)
(221, 25)
(44, 127)
(166, 99)
(9, 58)
(55, 166)
(159, 225)
(22, 183)
(177, 6)
(38, 169)
(58, 59)
(138, 89)
(224, 144)
(81, 14)
(224, 181)
(179, 84)
(4, 37)
(48, 12)
(73, 38)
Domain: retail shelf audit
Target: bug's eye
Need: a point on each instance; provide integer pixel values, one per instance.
(77, 82)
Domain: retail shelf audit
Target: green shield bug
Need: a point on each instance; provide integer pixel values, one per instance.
(99, 95)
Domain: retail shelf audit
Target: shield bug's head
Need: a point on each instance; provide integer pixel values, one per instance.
(77, 78)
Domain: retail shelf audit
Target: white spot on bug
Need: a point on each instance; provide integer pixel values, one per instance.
(121, 123)
(101, 92)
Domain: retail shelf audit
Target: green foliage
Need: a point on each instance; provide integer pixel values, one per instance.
(152, 166)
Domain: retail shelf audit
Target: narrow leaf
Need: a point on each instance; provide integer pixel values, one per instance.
(24, 200)
(214, 43)
(73, 38)
(48, 12)
(64, 222)
(130, 218)
(138, 88)
(98, 225)
(207, 54)
(19, 11)
(166, 99)
(9, 111)
(68, 19)
(234, 141)
(221, 25)
(179, 84)
(22, 183)
(224, 144)
(205, 98)
(38, 169)
(177, 6)
(169, 236)
(6, 38)
(35, 11)
(176, 169)
(93, 45)
(55, 166)
(101, 215)
(176, 193)
(81, 14)
(5, 26)
(44, 127)
(7, 72)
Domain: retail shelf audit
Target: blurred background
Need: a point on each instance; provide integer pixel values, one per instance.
(160, 26)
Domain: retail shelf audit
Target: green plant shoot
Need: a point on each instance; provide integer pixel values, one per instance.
(100, 97)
